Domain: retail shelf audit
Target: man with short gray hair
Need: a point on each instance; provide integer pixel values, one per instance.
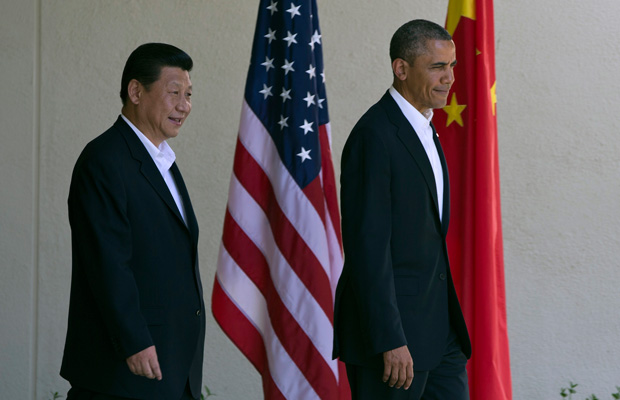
(398, 324)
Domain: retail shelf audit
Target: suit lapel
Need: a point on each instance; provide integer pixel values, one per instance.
(411, 141)
(148, 168)
(445, 220)
(192, 223)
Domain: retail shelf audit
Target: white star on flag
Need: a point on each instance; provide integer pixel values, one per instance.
(311, 72)
(307, 127)
(305, 155)
(268, 63)
(316, 38)
(286, 95)
(288, 67)
(294, 10)
(282, 122)
(273, 7)
(309, 99)
(271, 35)
(290, 38)
(266, 91)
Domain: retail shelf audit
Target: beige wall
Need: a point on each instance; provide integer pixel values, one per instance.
(557, 61)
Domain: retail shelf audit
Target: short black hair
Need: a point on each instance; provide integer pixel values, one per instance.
(410, 40)
(145, 63)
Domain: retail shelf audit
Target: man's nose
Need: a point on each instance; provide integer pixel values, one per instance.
(449, 77)
(184, 105)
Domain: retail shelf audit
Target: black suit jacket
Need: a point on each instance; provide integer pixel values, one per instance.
(135, 278)
(396, 288)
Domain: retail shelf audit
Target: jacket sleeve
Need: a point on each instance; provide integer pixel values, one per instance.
(367, 226)
(102, 241)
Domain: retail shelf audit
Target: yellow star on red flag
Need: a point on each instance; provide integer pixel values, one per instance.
(454, 110)
(458, 9)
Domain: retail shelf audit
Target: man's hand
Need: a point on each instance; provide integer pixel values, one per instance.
(398, 368)
(145, 364)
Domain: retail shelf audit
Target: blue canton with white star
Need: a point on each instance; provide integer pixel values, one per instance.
(286, 83)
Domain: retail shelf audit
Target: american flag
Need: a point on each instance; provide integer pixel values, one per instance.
(281, 251)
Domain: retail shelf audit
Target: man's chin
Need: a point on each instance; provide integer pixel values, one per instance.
(172, 133)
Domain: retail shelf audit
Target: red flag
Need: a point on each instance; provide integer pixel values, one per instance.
(468, 134)
(281, 252)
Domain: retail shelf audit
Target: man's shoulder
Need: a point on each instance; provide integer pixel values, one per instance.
(375, 121)
(109, 142)
(108, 148)
(378, 115)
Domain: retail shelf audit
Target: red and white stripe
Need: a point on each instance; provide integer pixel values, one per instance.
(279, 262)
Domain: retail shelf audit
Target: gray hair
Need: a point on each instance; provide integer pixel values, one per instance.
(410, 40)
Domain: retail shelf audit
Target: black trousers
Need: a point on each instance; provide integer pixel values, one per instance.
(84, 394)
(446, 382)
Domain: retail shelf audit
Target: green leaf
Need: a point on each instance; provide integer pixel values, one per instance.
(209, 393)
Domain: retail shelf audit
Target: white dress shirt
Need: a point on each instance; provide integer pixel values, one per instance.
(164, 157)
(422, 126)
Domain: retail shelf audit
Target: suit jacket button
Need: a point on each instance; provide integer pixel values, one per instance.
(442, 276)
(198, 313)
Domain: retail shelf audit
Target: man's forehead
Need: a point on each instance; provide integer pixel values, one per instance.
(433, 44)
(175, 77)
(440, 49)
(176, 82)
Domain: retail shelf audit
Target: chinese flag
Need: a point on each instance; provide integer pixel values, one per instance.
(468, 132)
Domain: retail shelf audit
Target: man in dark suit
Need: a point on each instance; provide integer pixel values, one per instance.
(136, 315)
(396, 307)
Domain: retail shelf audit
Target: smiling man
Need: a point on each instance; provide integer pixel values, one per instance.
(398, 323)
(136, 312)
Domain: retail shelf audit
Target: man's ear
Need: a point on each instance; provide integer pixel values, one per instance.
(400, 68)
(134, 91)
